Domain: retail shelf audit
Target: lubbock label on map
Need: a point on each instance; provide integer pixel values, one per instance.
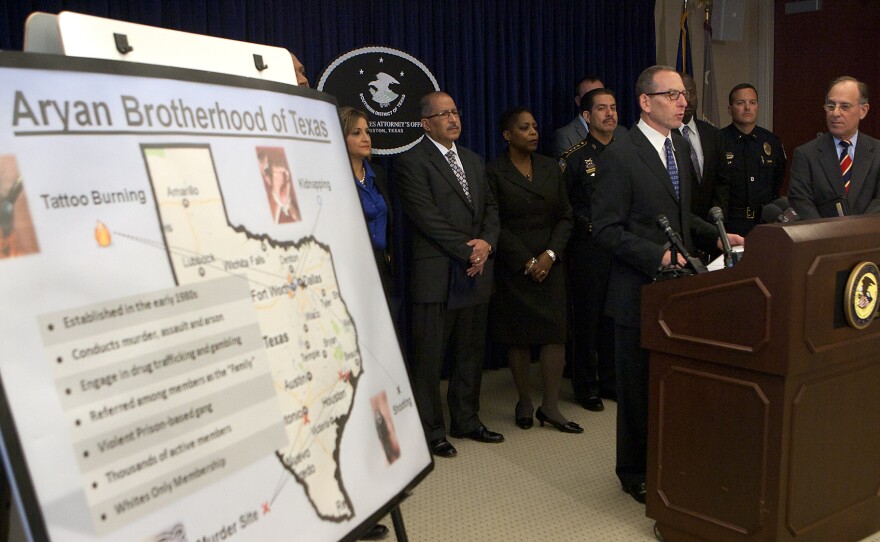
(195, 344)
(164, 392)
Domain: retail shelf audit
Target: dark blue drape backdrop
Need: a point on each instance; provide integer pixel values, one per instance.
(488, 54)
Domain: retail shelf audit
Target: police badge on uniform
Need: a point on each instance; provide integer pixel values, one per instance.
(589, 166)
(860, 296)
(768, 150)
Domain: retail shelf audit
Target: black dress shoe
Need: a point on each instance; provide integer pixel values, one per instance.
(523, 422)
(442, 448)
(481, 434)
(639, 492)
(567, 427)
(378, 532)
(592, 403)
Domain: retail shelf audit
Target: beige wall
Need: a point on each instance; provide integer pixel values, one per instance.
(749, 60)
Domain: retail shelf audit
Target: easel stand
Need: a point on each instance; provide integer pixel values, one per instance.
(399, 528)
(5, 505)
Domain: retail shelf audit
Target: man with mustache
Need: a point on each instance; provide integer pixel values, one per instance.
(641, 176)
(453, 225)
(592, 358)
(575, 131)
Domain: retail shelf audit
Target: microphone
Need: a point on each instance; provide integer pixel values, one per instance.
(773, 212)
(695, 264)
(718, 218)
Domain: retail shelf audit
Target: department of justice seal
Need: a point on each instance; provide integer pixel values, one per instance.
(387, 84)
(860, 296)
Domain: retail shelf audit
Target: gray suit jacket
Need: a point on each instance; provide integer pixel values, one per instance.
(816, 185)
(441, 221)
(568, 136)
(633, 188)
(573, 133)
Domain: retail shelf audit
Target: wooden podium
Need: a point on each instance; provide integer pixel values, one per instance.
(764, 416)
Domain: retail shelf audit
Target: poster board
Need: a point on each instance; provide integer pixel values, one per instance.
(188, 351)
(76, 34)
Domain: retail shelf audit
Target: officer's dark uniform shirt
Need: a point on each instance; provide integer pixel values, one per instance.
(578, 165)
(755, 168)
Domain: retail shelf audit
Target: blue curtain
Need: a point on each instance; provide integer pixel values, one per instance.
(488, 54)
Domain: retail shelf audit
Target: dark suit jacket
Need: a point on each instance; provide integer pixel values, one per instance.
(535, 216)
(633, 188)
(816, 183)
(442, 222)
(709, 192)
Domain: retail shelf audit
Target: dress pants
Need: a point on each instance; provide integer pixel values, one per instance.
(632, 405)
(592, 357)
(436, 330)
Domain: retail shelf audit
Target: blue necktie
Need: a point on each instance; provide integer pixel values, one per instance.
(671, 167)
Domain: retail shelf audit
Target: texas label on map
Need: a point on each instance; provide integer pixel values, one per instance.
(310, 339)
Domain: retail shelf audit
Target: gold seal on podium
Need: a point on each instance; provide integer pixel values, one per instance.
(860, 296)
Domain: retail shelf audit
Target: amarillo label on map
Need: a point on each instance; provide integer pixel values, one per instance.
(306, 330)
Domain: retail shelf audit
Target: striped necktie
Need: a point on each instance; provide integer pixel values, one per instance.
(671, 167)
(845, 165)
(686, 133)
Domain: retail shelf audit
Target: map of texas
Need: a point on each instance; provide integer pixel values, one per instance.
(308, 333)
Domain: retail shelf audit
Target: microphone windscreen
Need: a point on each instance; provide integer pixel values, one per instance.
(716, 214)
(782, 203)
(770, 213)
(662, 221)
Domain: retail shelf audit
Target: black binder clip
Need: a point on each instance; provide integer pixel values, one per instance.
(122, 43)
(258, 62)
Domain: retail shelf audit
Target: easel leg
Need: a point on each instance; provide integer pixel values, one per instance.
(399, 528)
(5, 505)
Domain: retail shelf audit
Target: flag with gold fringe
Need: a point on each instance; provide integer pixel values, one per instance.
(683, 63)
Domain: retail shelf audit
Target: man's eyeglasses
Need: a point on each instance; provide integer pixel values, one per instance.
(446, 114)
(844, 107)
(672, 94)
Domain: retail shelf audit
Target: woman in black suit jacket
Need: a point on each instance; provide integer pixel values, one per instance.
(528, 307)
(373, 192)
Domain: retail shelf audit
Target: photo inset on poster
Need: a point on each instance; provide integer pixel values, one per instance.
(17, 237)
(385, 427)
(275, 173)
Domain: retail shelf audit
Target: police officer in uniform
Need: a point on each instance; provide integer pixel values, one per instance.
(754, 162)
(592, 360)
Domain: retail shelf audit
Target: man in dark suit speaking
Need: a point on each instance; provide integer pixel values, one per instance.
(454, 224)
(838, 173)
(641, 176)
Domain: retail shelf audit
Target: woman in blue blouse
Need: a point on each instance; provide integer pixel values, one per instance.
(373, 191)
